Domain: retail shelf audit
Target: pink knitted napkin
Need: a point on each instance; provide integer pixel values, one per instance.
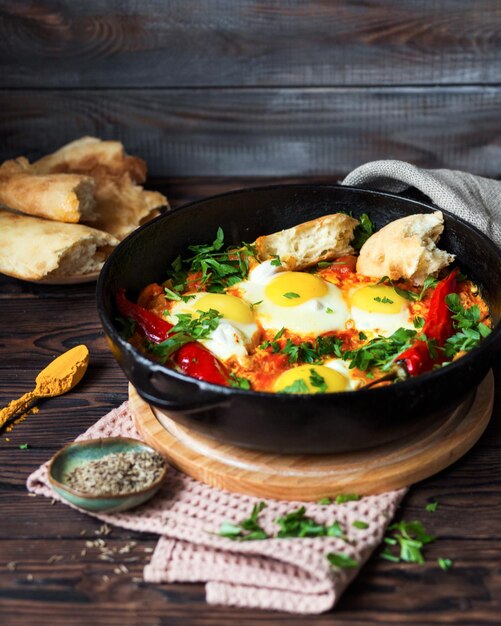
(283, 574)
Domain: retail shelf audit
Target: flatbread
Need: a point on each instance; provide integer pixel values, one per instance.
(63, 197)
(121, 203)
(33, 248)
(405, 248)
(305, 245)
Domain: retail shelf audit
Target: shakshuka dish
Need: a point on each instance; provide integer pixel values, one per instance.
(326, 306)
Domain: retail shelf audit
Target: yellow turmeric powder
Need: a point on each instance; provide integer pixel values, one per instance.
(61, 375)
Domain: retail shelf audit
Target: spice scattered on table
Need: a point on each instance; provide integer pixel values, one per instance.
(117, 473)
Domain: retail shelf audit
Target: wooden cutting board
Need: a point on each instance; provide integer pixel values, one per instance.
(311, 477)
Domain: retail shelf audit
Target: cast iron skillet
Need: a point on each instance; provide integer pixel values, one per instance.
(289, 423)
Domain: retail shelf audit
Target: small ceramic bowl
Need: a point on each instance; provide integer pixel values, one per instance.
(81, 452)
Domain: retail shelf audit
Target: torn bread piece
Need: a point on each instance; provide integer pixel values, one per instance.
(405, 248)
(62, 197)
(32, 248)
(121, 203)
(305, 245)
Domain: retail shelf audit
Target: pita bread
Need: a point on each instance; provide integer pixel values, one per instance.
(32, 248)
(63, 197)
(405, 248)
(305, 245)
(121, 203)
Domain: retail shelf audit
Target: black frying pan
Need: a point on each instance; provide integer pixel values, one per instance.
(280, 422)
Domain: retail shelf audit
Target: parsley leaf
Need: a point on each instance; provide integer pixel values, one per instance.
(341, 561)
(24, 446)
(290, 295)
(362, 232)
(381, 351)
(418, 321)
(298, 386)
(127, 326)
(239, 382)
(219, 268)
(248, 529)
(411, 537)
(467, 322)
(276, 261)
(444, 564)
(360, 525)
(346, 497)
(431, 507)
(383, 300)
(318, 381)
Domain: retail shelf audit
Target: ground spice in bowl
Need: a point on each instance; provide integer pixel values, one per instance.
(107, 475)
(117, 473)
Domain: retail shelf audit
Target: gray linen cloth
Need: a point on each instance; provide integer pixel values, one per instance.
(474, 198)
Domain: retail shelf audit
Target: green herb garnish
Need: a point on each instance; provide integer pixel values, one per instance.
(291, 295)
(383, 300)
(346, 497)
(362, 232)
(247, 530)
(186, 330)
(431, 507)
(324, 501)
(444, 564)
(127, 326)
(24, 446)
(298, 386)
(219, 268)
(360, 525)
(341, 561)
(381, 351)
(318, 381)
(239, 382)
(411, 537)
(467, 322)
(276, 261)
(418, 322)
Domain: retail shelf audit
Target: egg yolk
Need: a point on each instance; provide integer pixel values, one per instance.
(310, 379)
(294, 288)
(230, 307)
(378, 299)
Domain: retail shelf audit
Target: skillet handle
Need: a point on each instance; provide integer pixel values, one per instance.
(174, 395)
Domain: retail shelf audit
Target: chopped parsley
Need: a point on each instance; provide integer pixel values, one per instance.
(247, 530)
(239, 382)
(290, 295)
(220, 268)
(444, 564)
(324, 501)
(383, 300)
(418, 321)
(298, 386)
(363, 231)
(410, 537)
(346, 497)
(381, 351)
(24, 446)
(329, 310)
(297, 524)
(431, 507)
(276, 262)
(360, 525)
(318, 381)
(429, 281)
(186, 330)
(127, 326)
(341, 561)
(467, 322)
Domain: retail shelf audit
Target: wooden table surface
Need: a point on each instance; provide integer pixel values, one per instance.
(48, 575)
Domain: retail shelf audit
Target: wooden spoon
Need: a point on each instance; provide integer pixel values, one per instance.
(61, 375)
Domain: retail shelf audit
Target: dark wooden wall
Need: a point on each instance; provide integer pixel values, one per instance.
(256, 87)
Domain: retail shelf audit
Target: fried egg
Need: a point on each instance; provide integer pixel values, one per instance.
(301, 302)
(311, 379)
(379, 308)
(236, 331)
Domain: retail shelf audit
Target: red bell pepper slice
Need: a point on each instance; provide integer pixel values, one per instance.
(437, 328)
(192, 358)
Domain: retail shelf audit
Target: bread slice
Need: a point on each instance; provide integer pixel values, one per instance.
(32, 248)
(321, 239)
(63, 197)
(121, 203)
(405, 248)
